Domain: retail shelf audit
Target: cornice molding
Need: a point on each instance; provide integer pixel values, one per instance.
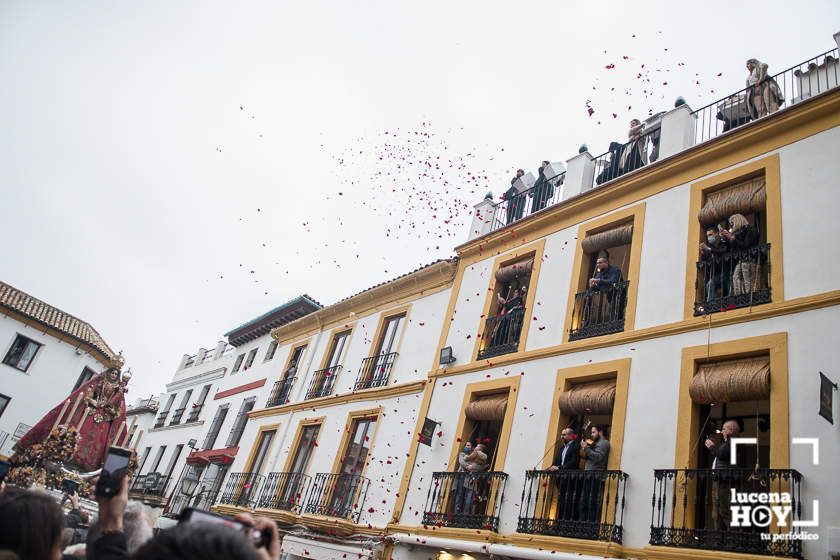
(400, 290)
(211, 375)
(176, 426)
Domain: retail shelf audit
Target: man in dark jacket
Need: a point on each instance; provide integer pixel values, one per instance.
(568, 485)
(515, 201)
(717, 270)
(727, 473)
(604, 285)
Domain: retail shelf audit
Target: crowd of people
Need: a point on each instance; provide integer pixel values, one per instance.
(33, 526)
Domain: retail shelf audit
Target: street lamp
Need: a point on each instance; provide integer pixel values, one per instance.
(189, 486)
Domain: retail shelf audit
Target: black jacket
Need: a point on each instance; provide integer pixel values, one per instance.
(572, 461)
(607, 278)
(108, 547)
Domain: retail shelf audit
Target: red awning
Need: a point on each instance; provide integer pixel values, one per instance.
(223, 456)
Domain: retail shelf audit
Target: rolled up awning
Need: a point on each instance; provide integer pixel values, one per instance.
(732, 381)
(741, 198)
(491, 407)
(595, 397)
(621, 235)
(515, 270)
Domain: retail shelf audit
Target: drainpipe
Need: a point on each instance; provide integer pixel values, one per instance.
(492, 549)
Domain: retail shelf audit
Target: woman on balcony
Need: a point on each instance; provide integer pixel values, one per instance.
(634, 154)
(742, 237)
(763, 93)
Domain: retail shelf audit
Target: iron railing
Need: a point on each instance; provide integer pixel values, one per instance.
(150, 484)
(528, 202)
(161, 419)
(176, 416)
(179, 501)
(196, 410)
(323, 381)
(599, 312)
(242, 489)
(284, 490)
(338, 495)
(576, 504)
(733, 279)
(466, 500)
(797, 83)
(375, 371)
(696, 508)
(280, 392)
(624, 158)
(501, 334)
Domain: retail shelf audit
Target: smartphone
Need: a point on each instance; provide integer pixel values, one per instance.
(113, 471)
(4, 469)
(193, 515)
(69, 486)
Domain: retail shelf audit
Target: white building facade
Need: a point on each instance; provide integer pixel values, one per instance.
(46, 354)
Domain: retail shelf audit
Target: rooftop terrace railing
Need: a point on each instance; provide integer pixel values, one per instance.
(797, 83)
(528, 202)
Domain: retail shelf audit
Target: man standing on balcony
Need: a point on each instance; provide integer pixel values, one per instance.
(726, 474)
(711, 253)
(596, 451)
(567, 485)
(603, 283)
(542, 190)
(515, 203)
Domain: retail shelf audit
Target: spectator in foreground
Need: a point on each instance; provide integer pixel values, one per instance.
(31, 524)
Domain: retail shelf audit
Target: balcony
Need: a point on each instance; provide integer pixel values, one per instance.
(575, 504)
(375, 371)
(599, 312)
(733, 280)
(322, 382)
(150, 484)
(176, 416)
(241, 489)
(161, 419)
(691, 509)
(280, 392)
(338, 495)
(196, 410)
(527, 202)
(501, 334)
(624, 158)
(466, 500)
(284, 491)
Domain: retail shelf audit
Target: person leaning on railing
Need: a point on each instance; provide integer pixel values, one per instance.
(476, 490)
(515, 203)
(459, 487)
(763, 93)
(711, 255)
(542, 191)
(742, 237)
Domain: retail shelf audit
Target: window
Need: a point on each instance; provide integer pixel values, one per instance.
(306, 445)
(503, 326)
(602, 296)
(323, 380)
(387, 341)
(4, 402)
(84, 377)
(146, 453)
(22, 352)
(198, 405)
(263, 446)
(215, 427)
(239, 423)
(250, 360)
(158, 458)
(348, 481)
(376, 369)
(238, 363)
(358, 446)
(179, 412)
(172, 462)
(272, 348)
(161, 419)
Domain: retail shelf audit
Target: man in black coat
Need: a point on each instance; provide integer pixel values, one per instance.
(727, 474)
(568, 483)
(515, 201)
(604, 284)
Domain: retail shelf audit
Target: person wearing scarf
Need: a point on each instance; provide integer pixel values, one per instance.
(763, 93)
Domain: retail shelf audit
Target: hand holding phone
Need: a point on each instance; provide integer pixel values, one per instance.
(113, 472)
(193, 515)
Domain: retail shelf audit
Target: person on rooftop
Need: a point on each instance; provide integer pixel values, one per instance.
(634, 155)
(515, 203)
(763, 93)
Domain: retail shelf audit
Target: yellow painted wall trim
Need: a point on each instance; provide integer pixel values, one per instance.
(376, 393)
(290, 455)
(786, 127)
(401, 290)
(374, 413)
(736, 316)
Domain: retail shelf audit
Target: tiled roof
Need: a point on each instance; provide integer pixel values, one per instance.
(257, 327)
(45, 314)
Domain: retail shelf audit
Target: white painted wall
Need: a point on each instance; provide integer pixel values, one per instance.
(50, 378)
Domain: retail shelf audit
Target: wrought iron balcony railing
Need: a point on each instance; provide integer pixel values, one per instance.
(795, 84)
(323, 381)
(178, 502)
(161, 419)
(523, 204)
(576, 504)
(375, 371)
(624, 158)
(338, 495)
(732, 280)
(284, 491)
(241, 489)
(281, 391)
(176, 416)
(196, 410)
(150, 484)
(599, 312)
(467, 500)
(693, 508)
(501, 334)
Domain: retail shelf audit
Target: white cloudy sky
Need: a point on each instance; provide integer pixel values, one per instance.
(138, 195)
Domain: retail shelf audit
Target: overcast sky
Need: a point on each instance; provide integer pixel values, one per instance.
(170, 170)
